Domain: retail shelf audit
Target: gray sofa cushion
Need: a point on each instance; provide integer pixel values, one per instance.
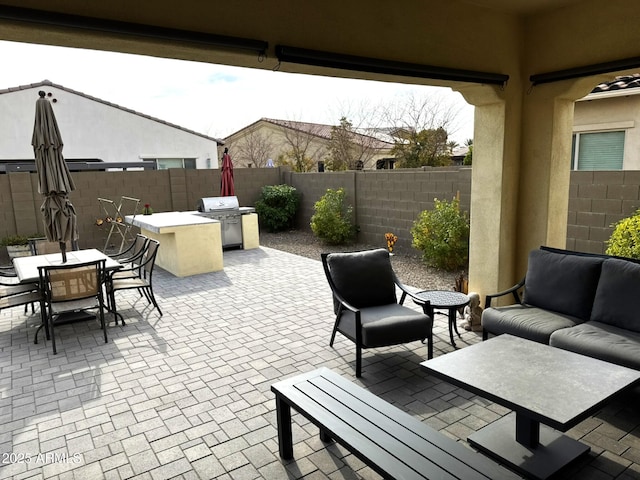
(602, 341)
(365, 279)
(617, 294)
(526, 321)
(562, 283)
(387, 325)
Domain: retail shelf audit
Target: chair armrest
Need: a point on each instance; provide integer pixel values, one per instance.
(406, 291)
(513, 290)
(344, 303)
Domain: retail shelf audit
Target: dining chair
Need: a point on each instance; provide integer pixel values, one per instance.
(139, 277)
(19, 294)
(366, 306)
(70, 288)
(42, 246)
(132, 257)
(9, 277)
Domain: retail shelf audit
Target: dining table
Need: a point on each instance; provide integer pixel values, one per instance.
(27, 267)
(27, 271)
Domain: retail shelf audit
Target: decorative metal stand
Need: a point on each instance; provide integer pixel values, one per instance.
(115, 216)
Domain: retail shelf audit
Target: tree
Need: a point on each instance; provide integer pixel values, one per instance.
(302, 154)
(341, 151)
(422, 148)
(422, 127)
(355, 140)
(468, 158)
(253, 149)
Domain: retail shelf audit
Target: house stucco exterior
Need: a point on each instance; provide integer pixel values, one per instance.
(92, 128)
(612, 110)
(272, 139)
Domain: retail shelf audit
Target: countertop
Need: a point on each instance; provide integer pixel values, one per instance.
(168, 220)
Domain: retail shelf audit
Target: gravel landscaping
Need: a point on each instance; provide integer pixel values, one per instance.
(409, 267)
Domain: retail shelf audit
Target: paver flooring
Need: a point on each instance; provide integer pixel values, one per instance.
(187, 395)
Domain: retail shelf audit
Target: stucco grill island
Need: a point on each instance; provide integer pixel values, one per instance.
(191, 243)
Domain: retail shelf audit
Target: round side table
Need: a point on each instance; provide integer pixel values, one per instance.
(445, 300)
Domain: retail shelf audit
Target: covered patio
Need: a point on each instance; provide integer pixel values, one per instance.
(521, 63)
(187, 395)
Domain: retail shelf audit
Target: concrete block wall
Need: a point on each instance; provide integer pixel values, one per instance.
(383, 201)
(597, 200)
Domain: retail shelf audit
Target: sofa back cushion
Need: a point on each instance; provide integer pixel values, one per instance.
(617, 295)
(562, 283)
(364, 279)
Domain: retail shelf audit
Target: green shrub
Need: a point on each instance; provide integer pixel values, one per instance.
(12, 240)
(277, 207)
(332, 220)
(625, 239)
(442, 235)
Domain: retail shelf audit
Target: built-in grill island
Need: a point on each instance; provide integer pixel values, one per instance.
(228, 211)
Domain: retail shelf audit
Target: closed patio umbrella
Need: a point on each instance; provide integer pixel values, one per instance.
(54, 179)
(227, 188)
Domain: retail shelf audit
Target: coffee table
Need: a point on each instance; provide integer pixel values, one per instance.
(445, 300)
(547, 388)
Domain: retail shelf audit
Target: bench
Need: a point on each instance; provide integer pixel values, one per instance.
(390, 441)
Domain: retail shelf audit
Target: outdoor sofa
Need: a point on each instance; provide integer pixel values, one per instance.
(585, 303)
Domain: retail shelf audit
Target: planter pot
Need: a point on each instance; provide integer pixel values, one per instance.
(18, 251)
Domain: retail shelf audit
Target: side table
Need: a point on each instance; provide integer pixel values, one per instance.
(445, 300)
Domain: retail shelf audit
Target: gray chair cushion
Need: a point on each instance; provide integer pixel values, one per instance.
(562, 283)
(617, 294)
(387, 325)
(525, 321)
(364, 279)
(602, 341)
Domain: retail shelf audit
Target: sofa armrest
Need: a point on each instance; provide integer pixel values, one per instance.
(513, 290)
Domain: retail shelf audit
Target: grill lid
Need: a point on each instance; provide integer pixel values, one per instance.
(218, 204)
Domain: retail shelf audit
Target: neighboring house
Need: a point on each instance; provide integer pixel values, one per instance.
(270, 141)
(606, 127)
(98, 130)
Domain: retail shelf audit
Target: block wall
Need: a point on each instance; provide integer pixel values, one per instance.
(383, 200)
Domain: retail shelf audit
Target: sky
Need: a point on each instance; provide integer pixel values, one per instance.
(215, 100)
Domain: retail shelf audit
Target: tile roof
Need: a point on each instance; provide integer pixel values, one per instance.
(620, 83)
(324, 131)
(48, 83)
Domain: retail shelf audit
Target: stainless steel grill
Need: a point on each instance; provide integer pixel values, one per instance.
(227, 211)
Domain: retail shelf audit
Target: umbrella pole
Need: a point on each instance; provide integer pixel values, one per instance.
(63, 249)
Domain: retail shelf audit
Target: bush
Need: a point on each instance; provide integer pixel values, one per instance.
(625, 239)
(277, 207)
(332, 220)
(442, 235)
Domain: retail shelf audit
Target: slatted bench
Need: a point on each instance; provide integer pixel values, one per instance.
(390, 441)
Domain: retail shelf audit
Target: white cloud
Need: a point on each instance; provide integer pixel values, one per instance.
(215, 100)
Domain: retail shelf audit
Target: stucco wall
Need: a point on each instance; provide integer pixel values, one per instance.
(617, 113)
(91, 129)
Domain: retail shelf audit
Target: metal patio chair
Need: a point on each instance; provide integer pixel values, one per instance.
(72, 288)
(132, 258)
(13, 294)
(366, 305)
(139, 277)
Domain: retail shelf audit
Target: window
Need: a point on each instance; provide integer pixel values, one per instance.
(165, 163)
(598, 151)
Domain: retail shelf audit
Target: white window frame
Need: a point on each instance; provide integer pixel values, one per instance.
(598, 128)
